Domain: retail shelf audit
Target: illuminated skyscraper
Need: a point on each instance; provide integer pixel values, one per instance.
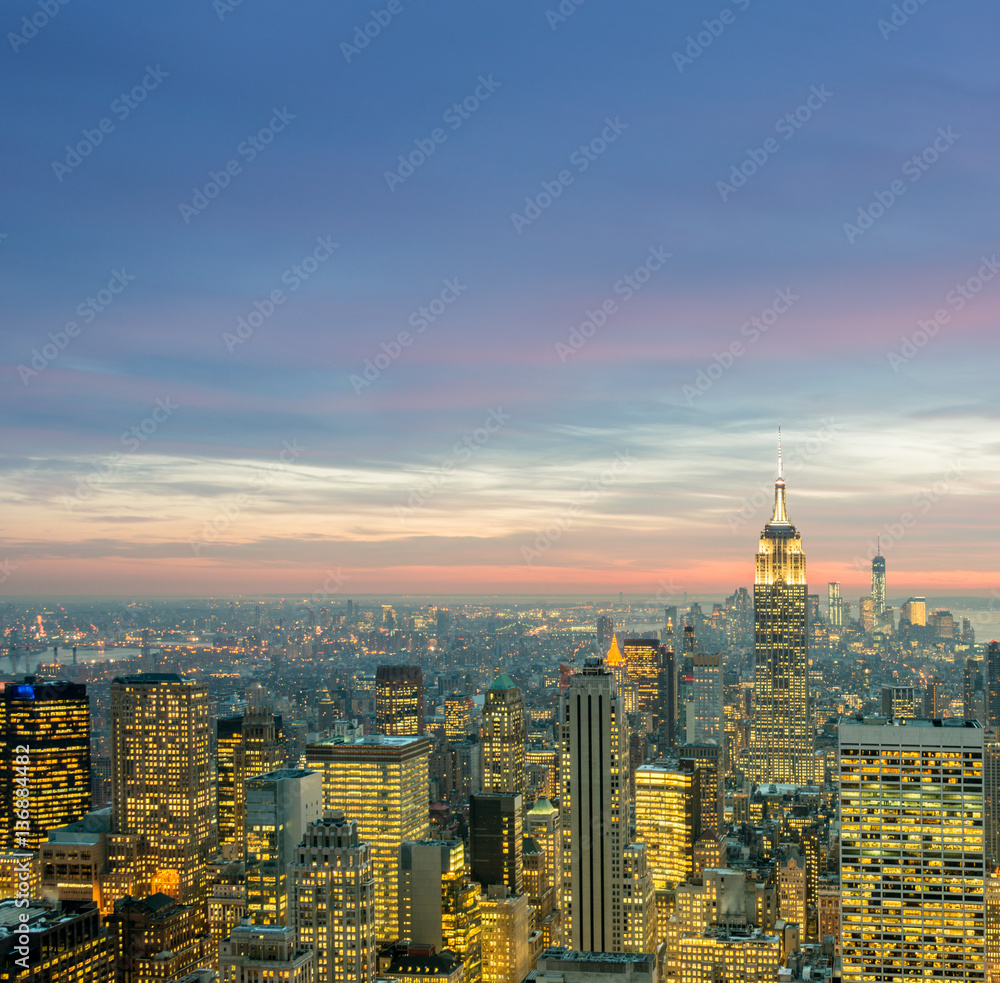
(866, 613)
(162, 833)
(911, 854)
(331, 901)
(835, 604)
(457, 716)
(992, 686)
(914, 611)
(506, 921)
(382, 784)
(45, 767)
(707, 698)
(504, 738)
(439, 903)
(596, 809)
(259, 953)
(249, 744)
(878, 585)
(666, 815)
(543, 872)
(399, 700)
(781, 738)
(280, 807)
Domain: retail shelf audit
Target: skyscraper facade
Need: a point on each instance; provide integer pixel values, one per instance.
(835, 604)
(992, 686)
(707, 697)
(331, 900)
(399, 700)
(596, 809)
(666, 815)
(878, 585)
(381, 783)
(781, 738)
(162, 806)
(496, 829)
(504, 738)
(912, 851)
(605, 632)
(45, 768)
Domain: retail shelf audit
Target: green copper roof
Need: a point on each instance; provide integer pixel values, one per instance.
(503, 681)
(543, 807)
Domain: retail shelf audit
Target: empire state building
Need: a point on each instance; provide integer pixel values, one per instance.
(781, 736)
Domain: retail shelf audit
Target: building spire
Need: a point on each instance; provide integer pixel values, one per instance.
(780, 516)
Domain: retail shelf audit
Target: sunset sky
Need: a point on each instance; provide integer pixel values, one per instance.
(204, 386)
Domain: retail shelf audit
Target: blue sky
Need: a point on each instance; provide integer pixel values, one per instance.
(380, 483)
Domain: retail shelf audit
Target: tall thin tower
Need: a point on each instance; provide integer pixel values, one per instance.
(878, 584)
(504, 738)
(781, 739)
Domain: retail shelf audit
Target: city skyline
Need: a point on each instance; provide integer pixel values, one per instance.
(587, 251)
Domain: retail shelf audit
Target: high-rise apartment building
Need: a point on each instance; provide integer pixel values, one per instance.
(911, 855)
(595, 807)
(279, 808)
(495, 833)
(382, 784)
(45, 768)
(248, 744)
(504, 738)
(781, 741)
(439, 902)
(331, 900)
(835, 604)
(162, 833)
(399, 700)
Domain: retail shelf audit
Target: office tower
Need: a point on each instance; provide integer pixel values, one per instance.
(651, 670)
(942, 625)
(506, 921)
(724, 954)
(605, 633)
(992, 686)
(638, 901)
(158, 939)
(993, 925)
(399, 700)
(705, 760)
(707, 698)
(615, 662)
(666, 817)
(781, 738)
(878, 585)
(381, 783)
(973, 696)
(542, 772)
(911, 855)
(933, 700)
(835, 604)
(227, 900)
(73, 858)
(991, 793)
(495, 834)
(331, 900)
(55, 944)
(914, 611)
(248, 744)
(280, 807)
(595, 805)
(543, 867)
(162, 835)
(504, 736)
(792, 891)
(45, 768)
(866, 613)
(457, 716)
(902, 701)
(439, 902)
(265, 954)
